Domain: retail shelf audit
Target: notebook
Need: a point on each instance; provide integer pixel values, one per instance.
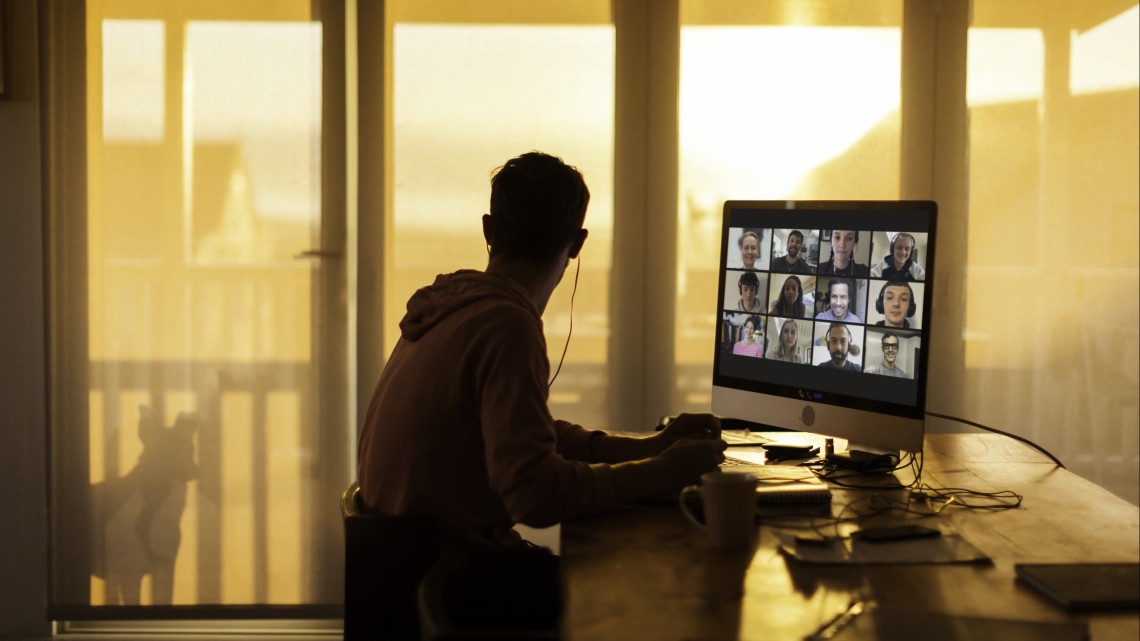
(742, 437)
(786, 484)
(777, 484)
(1085, 586)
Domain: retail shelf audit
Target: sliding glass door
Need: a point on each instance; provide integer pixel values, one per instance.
(204, 433)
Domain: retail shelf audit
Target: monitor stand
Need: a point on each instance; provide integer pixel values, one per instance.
(863, 458)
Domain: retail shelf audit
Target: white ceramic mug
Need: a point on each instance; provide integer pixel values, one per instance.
(729, 500)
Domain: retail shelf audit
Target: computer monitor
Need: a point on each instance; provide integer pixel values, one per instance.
(823, 315)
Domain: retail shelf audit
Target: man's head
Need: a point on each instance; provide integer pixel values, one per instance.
(748, 284)
(896, 303)
(839, 291)
(538, 204)
(795, 241)
(890, 349)
(838, 343)
(901, 248)
(749, 249)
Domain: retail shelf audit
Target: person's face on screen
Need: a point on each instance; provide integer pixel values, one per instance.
(896, 303)
(840, 299)
(748, 295)
(842, 246)
(838, 344)
(747, 332)
(794, 245)
(890, 350)
(791, 291)
(749, 250)
(789, 334)
(903, 247)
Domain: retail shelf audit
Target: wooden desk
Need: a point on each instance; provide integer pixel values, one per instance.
(645, 573)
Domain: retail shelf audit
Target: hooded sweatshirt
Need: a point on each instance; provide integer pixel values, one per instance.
(458, 427)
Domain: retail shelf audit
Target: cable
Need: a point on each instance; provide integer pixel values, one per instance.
(577, 271)
(997, 431)
(1000, 500)
(837, 475)
(949, 496)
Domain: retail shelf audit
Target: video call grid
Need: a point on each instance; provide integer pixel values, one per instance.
(763, 253)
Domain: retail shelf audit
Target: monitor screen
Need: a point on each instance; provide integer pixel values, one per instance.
(823, 316)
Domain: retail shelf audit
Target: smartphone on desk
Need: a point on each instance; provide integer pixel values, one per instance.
(789, 450)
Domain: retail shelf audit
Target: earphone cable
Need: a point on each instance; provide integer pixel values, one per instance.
(566, 347)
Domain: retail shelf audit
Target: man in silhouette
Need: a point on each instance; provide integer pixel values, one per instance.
(458, 428)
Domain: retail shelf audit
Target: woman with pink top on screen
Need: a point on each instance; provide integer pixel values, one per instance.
(749, 343)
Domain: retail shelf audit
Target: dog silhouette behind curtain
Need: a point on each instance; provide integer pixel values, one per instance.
(138, 515)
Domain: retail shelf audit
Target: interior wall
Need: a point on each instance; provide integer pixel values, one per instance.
(23, 539)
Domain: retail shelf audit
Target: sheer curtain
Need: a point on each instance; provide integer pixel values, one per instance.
(1020, 118)
(776, 103)
(198, 264)
(1050, 337)
(472, 87)
(195, 439)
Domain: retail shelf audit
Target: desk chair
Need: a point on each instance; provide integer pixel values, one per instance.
(485, 594)
(385, 558)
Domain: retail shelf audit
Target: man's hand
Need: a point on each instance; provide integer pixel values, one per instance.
(688, 458)
(686, 426)
(689, 447)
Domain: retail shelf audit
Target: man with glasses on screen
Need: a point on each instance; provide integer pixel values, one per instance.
(889, 366)
(458, 428)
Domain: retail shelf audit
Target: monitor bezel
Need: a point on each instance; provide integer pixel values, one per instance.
(869, 422)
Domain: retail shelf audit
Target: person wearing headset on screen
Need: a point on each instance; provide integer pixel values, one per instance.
(842, 261)
(889, 366)
(749, 285)
(791, 263)
(840, 297)
(896, 304)
(787, 344)
(838, 344)
(749, 249)
(899, 263)
(791, 300)
(749, 343)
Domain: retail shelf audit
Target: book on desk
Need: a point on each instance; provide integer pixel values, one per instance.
(788, 484)
(1085, 586)
(775, 485)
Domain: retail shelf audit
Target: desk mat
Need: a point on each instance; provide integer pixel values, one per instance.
(948, 548)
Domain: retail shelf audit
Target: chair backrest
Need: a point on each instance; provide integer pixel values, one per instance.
(385, 558)
(492, 594)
